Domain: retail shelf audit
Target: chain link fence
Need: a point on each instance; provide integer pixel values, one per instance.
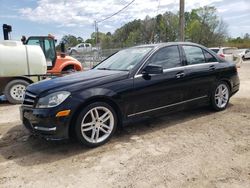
(92, 58)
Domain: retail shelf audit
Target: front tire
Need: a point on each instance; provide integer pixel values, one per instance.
(14, 91)
(96, 124)
(220, 96)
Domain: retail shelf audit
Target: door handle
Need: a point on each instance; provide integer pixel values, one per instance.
(180, 75)
(212, 67)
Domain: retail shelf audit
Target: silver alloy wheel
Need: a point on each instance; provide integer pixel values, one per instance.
(97, 124)
(17, 92)
(221, 96)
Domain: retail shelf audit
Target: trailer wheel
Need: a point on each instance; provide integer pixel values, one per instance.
(15, 90)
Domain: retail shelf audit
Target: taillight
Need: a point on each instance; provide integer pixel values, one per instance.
(222, 55)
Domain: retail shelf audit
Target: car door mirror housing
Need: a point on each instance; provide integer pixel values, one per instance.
(152, 69)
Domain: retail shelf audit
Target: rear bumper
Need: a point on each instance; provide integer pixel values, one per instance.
(235, 89)
(235, 85)
(44, 123)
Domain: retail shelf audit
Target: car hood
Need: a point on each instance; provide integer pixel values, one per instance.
(77, 81)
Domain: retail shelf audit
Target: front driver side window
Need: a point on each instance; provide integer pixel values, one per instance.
(167, 57)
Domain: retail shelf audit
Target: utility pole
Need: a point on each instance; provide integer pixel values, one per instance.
(96, 34)
(181, 21)
(96, 40)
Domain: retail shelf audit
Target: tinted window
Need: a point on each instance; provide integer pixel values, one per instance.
(167, 57)
(209, 57)
(87, 45)
(194, 55)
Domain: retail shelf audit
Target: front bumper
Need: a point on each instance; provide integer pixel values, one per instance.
(44, 123)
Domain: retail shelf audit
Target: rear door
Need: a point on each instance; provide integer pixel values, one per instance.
(201, 69)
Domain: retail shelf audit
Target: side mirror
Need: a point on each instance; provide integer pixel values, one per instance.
(152, 69)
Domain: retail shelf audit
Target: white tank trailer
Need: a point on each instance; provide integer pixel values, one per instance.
(18, 66)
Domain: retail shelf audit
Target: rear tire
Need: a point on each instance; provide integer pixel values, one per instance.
(14, 91)
(220, 96)
(96, 124)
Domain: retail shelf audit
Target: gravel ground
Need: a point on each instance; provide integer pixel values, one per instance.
(197, 148)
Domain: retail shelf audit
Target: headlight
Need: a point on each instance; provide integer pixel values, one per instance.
(52, 100)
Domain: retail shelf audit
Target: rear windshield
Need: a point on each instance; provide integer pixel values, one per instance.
(229, 50)
(215, 50)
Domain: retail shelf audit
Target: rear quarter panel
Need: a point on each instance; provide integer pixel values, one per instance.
(227, 72)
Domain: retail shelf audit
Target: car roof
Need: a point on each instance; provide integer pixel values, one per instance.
(159, 45)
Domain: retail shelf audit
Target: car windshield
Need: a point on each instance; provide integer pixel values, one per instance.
(124, 60)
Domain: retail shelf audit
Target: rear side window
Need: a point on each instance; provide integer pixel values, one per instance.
(168, 57)
(194, 55)
(209, 57)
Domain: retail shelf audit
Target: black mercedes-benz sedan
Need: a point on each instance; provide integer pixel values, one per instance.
(137, 81)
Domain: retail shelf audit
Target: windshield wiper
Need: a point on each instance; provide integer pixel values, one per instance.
(112, 69)
(104, 68)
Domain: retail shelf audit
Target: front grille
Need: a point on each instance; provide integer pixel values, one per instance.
(29, 99)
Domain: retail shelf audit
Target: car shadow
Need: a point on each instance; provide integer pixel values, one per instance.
(26, 150)
(5, 103)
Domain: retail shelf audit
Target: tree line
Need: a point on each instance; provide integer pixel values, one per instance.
(202, 25)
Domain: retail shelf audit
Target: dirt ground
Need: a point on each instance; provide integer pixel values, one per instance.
(197, 148)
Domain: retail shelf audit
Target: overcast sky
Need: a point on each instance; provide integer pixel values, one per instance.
(60, 17)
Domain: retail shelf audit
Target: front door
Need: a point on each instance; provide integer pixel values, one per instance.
(161, 91)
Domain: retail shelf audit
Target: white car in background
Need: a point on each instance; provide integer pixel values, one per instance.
(225, 52)
(244, 53)
(81, 48)
(229, 54)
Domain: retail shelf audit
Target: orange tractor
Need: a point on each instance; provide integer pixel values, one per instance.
(56, 63)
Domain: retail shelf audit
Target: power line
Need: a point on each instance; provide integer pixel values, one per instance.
(116, 12)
